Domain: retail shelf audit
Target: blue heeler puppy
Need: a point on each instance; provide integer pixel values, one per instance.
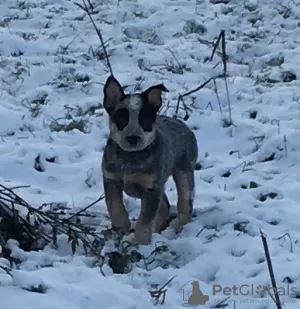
(143, 150)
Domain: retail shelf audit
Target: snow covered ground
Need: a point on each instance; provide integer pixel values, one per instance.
(52, 71)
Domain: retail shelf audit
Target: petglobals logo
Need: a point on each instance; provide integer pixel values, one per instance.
(253, 290)
(192, 294)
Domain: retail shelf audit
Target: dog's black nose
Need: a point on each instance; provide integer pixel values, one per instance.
(133, 139)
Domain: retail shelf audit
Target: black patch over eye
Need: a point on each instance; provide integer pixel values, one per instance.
(147, 116)
(120, 118)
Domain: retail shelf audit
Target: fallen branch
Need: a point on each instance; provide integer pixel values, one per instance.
(37, 228)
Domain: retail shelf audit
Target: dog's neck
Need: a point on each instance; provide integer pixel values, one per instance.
(135, 156)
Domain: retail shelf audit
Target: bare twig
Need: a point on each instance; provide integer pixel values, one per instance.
(271, 272)
(7, 270)
(177, 61)
(206, 227)
(86, 9)
(222, 304)
(86, 208)
(217, 95)
(290, 238)
(161, 292)
(221, 39)
(181, 96)
(285, 145)
(18, 187)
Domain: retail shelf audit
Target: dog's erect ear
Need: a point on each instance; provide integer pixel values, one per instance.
(153, 95)
(113, 94)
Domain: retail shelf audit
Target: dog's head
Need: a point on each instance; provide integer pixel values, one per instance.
(132, 116)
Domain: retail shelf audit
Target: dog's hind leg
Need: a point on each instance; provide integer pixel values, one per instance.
(115, 206)
(162, 215)
(185, 185)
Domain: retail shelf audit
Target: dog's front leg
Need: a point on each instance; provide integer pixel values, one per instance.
(145, 225)
(113, 190)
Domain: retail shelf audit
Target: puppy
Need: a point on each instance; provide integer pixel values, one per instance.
(143, 150)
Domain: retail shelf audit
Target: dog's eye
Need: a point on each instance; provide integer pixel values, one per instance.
(120, 118)
(147, 116)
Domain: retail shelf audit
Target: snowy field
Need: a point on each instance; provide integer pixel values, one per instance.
(53, 130)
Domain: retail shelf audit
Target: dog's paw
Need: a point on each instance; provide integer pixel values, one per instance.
(122, 226)
(143, 234)
(178, 223)
(176, 226)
